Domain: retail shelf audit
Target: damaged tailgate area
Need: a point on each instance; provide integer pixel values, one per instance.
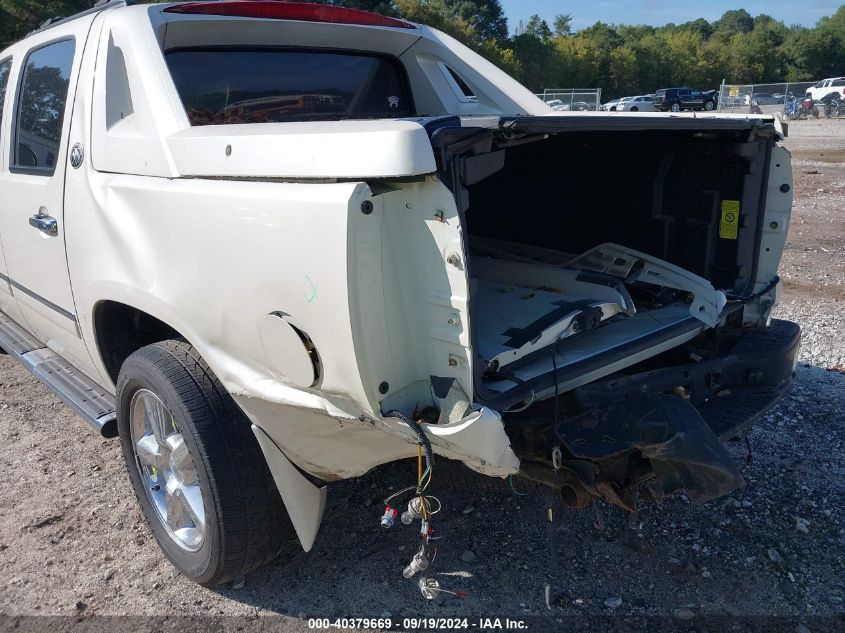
(608, 301)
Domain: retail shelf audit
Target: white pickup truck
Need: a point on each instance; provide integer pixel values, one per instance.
(274, 245)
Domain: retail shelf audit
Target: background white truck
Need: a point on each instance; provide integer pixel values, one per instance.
(273, 245)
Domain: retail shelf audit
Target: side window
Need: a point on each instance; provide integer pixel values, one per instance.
(5, 68)
(41, 107)
(459, 86)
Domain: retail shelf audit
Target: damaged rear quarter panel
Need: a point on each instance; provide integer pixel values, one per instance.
(244, 250)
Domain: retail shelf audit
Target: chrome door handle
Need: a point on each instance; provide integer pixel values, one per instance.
(45, 224)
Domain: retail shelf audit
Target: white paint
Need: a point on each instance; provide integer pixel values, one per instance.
(330, 149)
(303, 501)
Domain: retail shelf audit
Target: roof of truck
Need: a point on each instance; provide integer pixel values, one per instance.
(300, 11)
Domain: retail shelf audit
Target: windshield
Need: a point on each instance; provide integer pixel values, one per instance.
(219, 86)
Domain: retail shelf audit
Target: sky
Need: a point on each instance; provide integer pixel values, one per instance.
(659, 12)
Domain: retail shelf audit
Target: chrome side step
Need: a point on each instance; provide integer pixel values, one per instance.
(92, 402)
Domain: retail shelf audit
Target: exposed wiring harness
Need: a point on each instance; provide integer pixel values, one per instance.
(745, 299)
(421, 506)
(425, 443)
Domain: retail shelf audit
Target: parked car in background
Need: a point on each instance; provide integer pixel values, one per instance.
(612, 106)
(677, 99)
(577, 106)
(763, 98)
(728, 101)
(643, 103)
(826, 87)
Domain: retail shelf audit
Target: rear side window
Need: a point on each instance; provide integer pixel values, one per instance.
(459, 86)
(5, 67)
(221, 86)
(41, 106)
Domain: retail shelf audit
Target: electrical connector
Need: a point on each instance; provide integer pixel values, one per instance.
(389, 517)
(418, 563)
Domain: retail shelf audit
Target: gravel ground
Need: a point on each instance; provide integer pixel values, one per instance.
(73, 542)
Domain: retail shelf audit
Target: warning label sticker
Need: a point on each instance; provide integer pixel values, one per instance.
(729, 226)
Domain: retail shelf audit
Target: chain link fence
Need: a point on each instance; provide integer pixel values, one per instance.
(761, 98)
(572, 99)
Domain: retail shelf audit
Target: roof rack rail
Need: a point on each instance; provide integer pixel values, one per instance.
(99, 5)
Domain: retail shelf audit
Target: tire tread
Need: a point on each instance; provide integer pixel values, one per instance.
(252, 522)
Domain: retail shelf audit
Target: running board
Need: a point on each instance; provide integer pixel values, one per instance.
(80, 393)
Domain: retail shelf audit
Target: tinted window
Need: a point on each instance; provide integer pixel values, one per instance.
(41, 106)
(465, 89)
(258, 86)
(5, 67)
(840, 82)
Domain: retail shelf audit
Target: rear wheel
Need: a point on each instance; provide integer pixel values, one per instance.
(676, 107)
(197, 470)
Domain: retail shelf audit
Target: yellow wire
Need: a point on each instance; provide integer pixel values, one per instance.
(423, 509)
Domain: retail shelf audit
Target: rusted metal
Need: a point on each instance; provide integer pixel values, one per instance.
(648, 447)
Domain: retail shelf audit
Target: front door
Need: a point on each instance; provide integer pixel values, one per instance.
(8, 304)
(32, 184)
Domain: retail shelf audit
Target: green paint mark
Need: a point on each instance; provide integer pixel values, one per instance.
(313, 290)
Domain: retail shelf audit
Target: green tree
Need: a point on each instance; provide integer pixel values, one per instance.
(485, 16)
(735, 21)
(563, 25)
(538, 28)
(19, 17)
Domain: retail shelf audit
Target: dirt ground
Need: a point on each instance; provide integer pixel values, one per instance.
(73, 542)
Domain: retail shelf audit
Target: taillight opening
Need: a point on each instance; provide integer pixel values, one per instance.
(280, 10)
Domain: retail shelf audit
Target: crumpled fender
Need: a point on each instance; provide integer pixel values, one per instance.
(303, 500)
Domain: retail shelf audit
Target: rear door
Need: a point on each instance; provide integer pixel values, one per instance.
(32, 204)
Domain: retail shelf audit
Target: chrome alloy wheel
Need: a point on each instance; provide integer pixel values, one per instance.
(167, 470)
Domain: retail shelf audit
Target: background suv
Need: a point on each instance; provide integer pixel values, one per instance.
(677, 99)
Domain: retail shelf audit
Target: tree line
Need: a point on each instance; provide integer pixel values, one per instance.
(621, 59)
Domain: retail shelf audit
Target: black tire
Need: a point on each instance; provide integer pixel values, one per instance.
(634, 109)
(245, 520)
(709, 105)
(675, 107)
